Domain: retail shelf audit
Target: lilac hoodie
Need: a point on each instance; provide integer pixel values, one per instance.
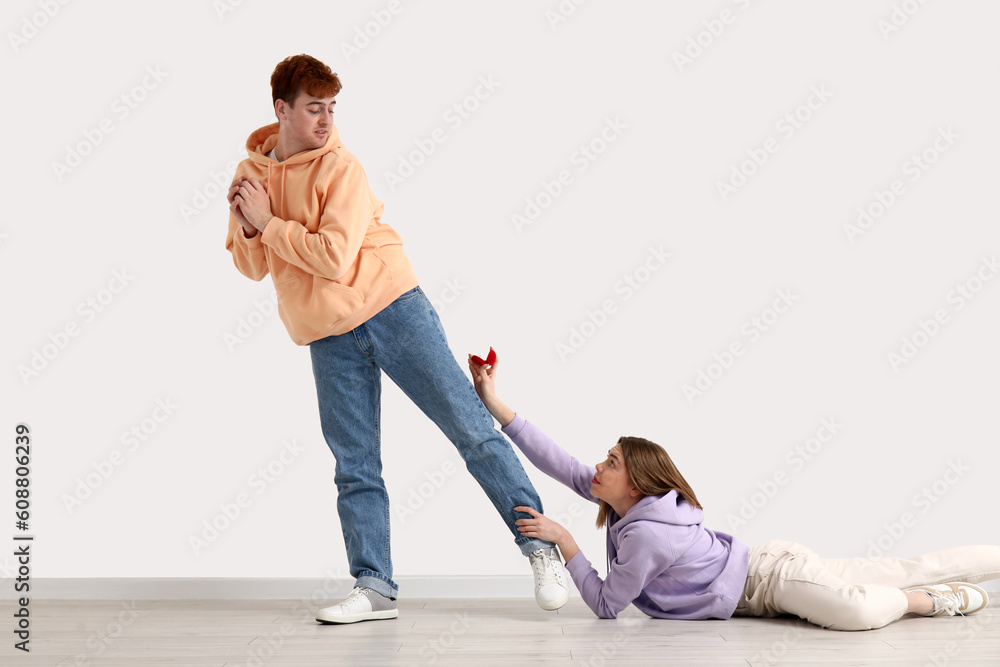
(660, 557)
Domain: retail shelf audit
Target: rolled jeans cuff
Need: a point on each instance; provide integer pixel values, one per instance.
(378, 583)
(530, 544)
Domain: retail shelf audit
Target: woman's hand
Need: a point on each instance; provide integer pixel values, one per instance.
(544, 528)
(484, 378)
(539, 526)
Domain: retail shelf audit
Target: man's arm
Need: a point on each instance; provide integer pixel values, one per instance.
(246, 248)
(332, 248)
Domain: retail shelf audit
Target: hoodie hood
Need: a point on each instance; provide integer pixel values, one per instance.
(668, 508)
(262, 141)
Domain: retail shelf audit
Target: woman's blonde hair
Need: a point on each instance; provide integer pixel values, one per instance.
(651, 471)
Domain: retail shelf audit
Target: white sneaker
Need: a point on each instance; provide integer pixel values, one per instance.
(955, 597)
(551, 580)
(363, 604)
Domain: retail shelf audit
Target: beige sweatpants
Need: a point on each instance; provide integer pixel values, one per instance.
(851, 593)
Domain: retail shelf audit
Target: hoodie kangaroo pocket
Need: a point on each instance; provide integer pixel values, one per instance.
(317, 303)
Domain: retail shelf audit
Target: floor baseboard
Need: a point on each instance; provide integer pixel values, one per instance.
(220, 588)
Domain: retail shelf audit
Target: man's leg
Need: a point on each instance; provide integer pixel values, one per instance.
(348, 388)
(411, 347)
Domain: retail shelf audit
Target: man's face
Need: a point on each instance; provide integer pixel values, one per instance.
(307, 123)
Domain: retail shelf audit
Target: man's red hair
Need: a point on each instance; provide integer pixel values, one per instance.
(302, 73)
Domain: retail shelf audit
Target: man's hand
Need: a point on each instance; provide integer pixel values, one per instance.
(234, 207)
(249, 196)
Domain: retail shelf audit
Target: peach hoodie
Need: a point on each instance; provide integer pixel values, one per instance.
(333, 262)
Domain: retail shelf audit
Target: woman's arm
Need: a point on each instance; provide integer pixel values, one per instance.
(639, 560)
(541, 450)
(497, 408)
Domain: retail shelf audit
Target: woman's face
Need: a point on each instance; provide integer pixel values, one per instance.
(611, 482)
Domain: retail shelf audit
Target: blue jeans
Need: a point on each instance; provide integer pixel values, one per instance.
(407, 341)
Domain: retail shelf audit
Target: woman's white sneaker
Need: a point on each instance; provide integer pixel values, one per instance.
(363, 604)
(551, 580)
(955, 597)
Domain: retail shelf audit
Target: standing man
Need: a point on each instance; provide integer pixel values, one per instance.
(301, 209)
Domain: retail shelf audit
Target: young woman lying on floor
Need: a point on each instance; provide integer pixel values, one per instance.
(665, 562)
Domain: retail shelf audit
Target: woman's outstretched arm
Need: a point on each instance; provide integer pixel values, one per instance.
(541, 450)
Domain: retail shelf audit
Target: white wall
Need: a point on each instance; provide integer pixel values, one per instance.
(683, 129)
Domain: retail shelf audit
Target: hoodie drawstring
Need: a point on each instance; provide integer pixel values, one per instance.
(281, 204)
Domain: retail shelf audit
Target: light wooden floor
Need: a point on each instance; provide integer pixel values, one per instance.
(509, 632)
